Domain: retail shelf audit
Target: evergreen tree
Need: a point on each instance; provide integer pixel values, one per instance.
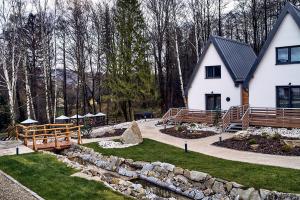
(130, 75)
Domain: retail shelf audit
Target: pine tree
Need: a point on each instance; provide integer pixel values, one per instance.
(130, 75)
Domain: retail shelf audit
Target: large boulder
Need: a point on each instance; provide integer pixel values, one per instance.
(132, 134)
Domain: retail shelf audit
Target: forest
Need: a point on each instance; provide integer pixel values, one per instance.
(120, 58)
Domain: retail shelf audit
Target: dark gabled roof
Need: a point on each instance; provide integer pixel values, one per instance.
(237, 57)
(295, 13)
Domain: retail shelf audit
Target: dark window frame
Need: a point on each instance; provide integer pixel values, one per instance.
(206, 105)
(290, 94)
(289, 55)
(213, 77)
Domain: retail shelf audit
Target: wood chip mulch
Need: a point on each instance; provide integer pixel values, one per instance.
(261, 144)
(187, 134)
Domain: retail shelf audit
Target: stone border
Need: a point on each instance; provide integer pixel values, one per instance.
(35, 195)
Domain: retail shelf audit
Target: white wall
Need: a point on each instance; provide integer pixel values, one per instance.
(268, 75)
(224, 86)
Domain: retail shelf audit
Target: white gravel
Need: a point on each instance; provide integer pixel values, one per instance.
(293, 133)
(203, 127)
(113, 145)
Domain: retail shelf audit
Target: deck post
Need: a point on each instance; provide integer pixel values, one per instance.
(17, 133)
(67, 133)
(55, 140)
(34, 142)
(25, 139)
(79, 135)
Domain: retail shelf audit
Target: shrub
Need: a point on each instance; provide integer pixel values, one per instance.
(286, 148)
(252, 141)
(276, 136)
(265, 135)
(179, 128)
(192, 125)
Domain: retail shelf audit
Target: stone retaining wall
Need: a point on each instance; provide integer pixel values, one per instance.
(192, 184)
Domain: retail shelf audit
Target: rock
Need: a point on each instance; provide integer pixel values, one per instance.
(264, 193)
(241, 135)
(209, 183)
(254, 146)
(198, 195)
(254, 196)
(178, 171)
(181, 179)
(236, 185)
(228, 186)
(127, 173)
(138, 164)
(208, 192)
(168, 166)
(132, 134)
(197, 176)
(218, 187)
(245, 194)
(147, 167)
(186, 173)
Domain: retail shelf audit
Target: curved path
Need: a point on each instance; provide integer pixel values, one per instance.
(203, 145)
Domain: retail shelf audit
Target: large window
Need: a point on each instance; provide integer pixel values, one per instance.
(213, 71)
(288, 96)
(288, 55)
(213, 101)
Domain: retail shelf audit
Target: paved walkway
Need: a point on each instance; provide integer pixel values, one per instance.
(149, 130)
(9, 148)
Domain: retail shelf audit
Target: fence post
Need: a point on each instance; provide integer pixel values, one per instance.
(79, 135)
(17, 133)
(67, 133)
(25, 139)
(33, 141)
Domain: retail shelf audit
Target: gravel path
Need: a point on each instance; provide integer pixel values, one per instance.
(9, 190)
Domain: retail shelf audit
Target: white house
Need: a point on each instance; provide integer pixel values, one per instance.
(274, 80)
(217, 81)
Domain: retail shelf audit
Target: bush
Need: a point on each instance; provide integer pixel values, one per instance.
(265, 135)
(192, 125)
(276, 136)
(252, 141)
(286, 148)
(179, 128)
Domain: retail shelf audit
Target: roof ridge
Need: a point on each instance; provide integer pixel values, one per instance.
(231, 40)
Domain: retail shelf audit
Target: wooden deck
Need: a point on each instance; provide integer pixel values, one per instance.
(247, 116)
(48, 136)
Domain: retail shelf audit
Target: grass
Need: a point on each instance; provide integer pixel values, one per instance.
(251, 175)
(51, 179)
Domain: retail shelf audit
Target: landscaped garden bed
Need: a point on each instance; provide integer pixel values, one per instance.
(192, 131)
(268, 144)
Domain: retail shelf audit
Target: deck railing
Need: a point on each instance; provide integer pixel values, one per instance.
(275, 117)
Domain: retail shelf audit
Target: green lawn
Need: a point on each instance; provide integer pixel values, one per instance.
(51, 179)
(251, 175)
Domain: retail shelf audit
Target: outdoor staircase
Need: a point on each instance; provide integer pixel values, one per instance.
(234, 127)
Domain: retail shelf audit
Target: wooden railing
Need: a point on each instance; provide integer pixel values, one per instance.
(52, 135)
(246, 119)
(226, 119)
(275, 117)
(198, 116)
(172, 112)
